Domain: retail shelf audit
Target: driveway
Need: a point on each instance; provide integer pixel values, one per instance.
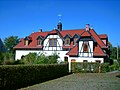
(81, 81)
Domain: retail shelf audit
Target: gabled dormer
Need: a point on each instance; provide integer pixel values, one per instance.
(39, 40)
(27, 40)
(67, 39)
(75, 38)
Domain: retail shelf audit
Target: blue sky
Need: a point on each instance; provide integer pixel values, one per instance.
(22, 17)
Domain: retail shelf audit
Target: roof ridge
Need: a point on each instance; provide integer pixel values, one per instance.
(98, 38)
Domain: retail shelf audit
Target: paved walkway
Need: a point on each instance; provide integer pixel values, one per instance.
(81, 81)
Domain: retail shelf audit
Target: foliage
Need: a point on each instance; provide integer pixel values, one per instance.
(115, 66)
(33, 58)
(6, 58)
(84, 67)
(29, 59)
(17, 76)
(41, 59)
(1, 57)
(89, 67)
(53, 58)
(104, 67)
(10, 42)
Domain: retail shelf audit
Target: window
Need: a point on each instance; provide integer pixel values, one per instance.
(98, 61)
(66, 59)
(73, 60)
(75, 39)
(67, 41)
(26, 42)
(85, 47)
(38, 42)
(85, 61)
(53, 42)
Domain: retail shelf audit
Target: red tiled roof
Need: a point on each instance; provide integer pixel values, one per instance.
(97, 38)
(98, 51)
(73, 51)
(72, 32)
(34, 40)
(86, 33)
(103, 36)
(53, 32)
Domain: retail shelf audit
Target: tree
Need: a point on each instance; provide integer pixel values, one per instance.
(41, 59)
(10, 42)
(29, 59)
(53, 58)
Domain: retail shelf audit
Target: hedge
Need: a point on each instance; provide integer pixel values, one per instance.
(17, 76)
(89, 67)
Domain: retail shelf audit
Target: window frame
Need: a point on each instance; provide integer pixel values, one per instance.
(67, 41)
(53, 42)
(39, 42)
(26, 42)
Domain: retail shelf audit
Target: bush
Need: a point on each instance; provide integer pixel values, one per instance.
(17, 76)
(89, 67)
(105, 67)
(115, 66)
(84, 67)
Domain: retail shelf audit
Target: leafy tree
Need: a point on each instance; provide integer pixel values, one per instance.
(8, 58)
(1, 57)
(41, 59)
(10, 42)
(34, 58)
(53, 58)
(29, 59)
(113, 54)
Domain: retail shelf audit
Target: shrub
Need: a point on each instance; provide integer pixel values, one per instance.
(104, 67)
(115, 66)
(89, 67)
(17, 76)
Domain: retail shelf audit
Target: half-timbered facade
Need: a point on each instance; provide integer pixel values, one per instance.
(77, 45)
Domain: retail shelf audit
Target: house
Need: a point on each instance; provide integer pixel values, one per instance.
(2, 47)
(78, 45)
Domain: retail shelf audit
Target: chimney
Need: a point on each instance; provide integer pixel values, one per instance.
(40, 30)
(59, 26)
(87, 27)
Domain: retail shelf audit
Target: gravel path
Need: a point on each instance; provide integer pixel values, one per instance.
(81, 81)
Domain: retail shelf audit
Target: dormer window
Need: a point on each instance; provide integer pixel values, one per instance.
(39, 41)
(67, 41)
(75, 38)
(53, 42)
(27, 40)
(26, 43)
(85, 47)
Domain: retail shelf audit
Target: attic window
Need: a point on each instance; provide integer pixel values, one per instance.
(26, 42)
(39, 42)
(75, 39)
(67, 41)
(85, 47)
